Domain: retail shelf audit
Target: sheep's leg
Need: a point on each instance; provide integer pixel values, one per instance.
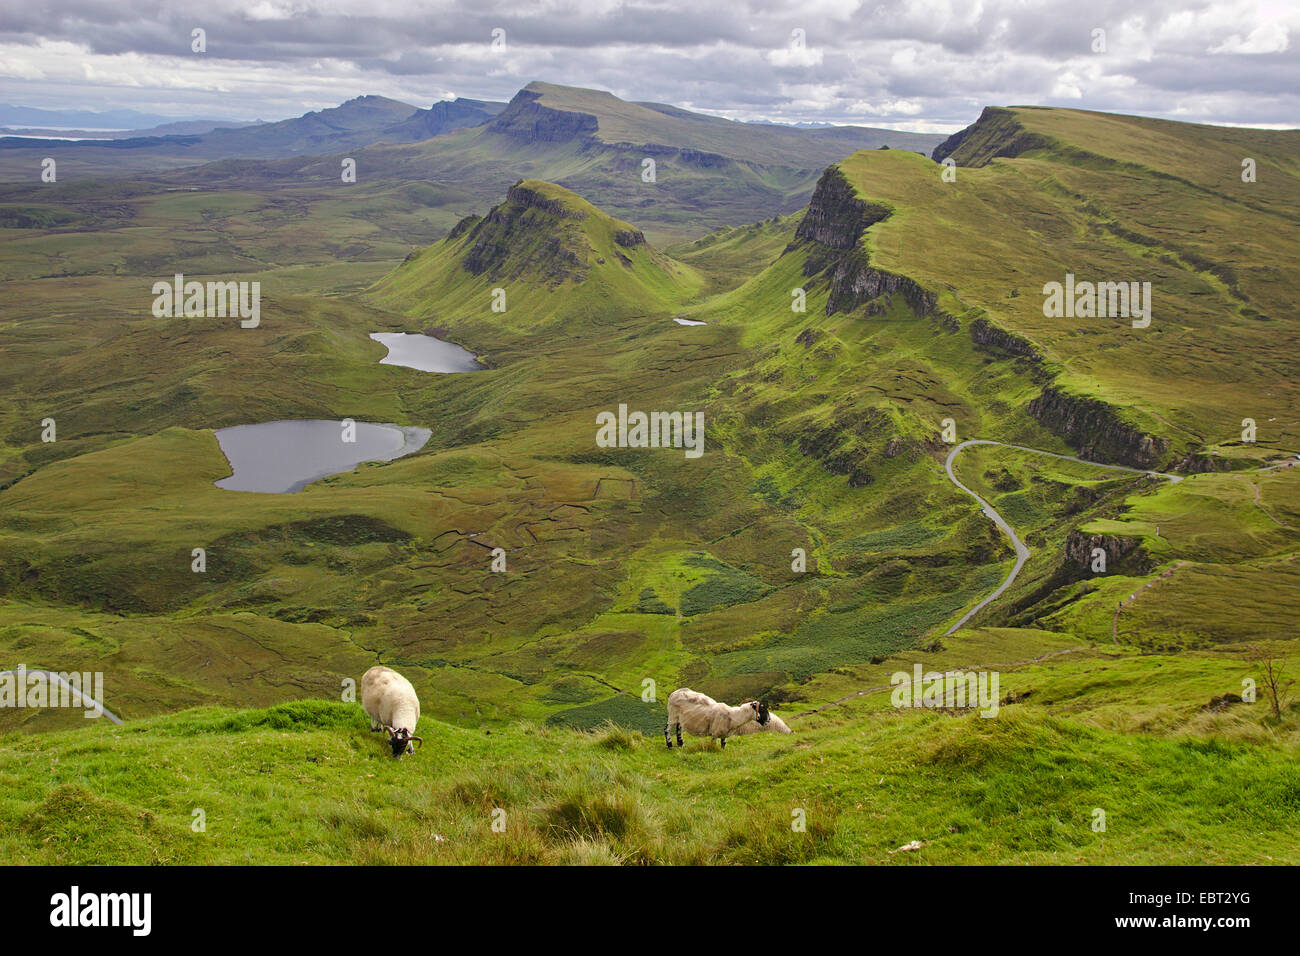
(722, 741)
(669, 742)
(679, 734)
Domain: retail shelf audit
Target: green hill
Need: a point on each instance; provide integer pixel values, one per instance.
(554, 256)
(921, 301)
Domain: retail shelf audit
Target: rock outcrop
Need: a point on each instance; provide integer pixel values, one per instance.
(1097, 430)
(833, 226)
(997, 133)
(990, 338)
(524, 231)
(836, 217)
(527, 120)
(1123, 555)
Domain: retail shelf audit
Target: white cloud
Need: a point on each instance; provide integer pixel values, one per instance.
(1265, 38)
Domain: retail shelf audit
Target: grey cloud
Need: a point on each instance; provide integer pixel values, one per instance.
(679, 51)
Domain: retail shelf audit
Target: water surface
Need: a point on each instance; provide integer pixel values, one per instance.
(286, 456)
(424, 352)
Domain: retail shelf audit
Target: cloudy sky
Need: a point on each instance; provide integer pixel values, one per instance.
(919, 64)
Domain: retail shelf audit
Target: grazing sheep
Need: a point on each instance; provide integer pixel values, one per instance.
(774, 723)
(703, 716)
(390, 703)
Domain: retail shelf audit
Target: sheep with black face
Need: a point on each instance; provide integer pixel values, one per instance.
(703, 716)
(392, 706)
(774, 725)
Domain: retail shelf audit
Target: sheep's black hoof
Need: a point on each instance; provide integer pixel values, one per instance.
(669, 743)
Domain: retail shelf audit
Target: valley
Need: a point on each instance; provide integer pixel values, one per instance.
(883, 388)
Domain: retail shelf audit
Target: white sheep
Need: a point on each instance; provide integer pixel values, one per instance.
(703, 716)
(774, 724)
(391, 704)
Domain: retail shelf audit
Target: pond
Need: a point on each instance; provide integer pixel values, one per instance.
(286, 456)
(424, 352)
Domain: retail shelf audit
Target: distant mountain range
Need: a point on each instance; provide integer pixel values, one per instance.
(11, 115)
(670, 169)
(540, 112)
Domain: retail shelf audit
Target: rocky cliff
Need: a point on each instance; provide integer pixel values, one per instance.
(525, 231)
(997, 133)
(527, 120)
(991, 338)
(833, 227)
(1123, 555)
(1097, 430)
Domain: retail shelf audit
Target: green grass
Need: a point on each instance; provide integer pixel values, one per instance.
(306, 783)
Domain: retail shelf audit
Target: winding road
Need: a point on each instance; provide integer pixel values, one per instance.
(1022, 552)
(51, 675)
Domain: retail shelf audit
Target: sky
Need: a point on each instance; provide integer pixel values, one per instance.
(926, 65)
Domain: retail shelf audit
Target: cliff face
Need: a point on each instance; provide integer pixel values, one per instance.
(833, 225)
(527, 120)
(525, 231)
(1097, 430)
(996, 133)
(446, 115)
(1123, 555)
(836, 217)
(990, 338)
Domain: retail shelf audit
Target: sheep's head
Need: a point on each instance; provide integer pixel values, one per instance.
(760, 712)
(402, 740)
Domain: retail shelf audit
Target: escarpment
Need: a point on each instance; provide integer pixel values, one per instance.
(997, 133)
(1096, 429)
(836, 217)
(529, 121)
(991, 338)
(833, 227)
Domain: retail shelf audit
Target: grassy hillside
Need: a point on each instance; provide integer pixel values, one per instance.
(306, 783)
(1040, 193)
(836, 342)
(554, 255)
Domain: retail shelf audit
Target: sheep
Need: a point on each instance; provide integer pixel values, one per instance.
(703, 716)
(774, 723)
(391, 704)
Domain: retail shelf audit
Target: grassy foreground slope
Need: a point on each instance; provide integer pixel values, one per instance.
(306, 782)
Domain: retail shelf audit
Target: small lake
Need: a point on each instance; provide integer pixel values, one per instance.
(425, 353)
(688, 322)
(286, 456)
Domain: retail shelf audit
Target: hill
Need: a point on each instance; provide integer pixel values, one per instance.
(545, 112)
(357, 123)
(552, 253)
